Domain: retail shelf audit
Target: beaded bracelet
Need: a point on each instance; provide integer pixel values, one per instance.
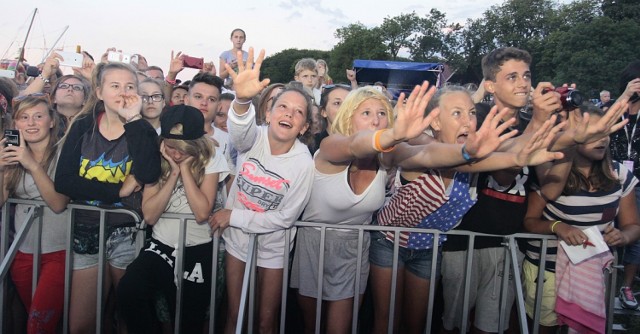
(45, 80)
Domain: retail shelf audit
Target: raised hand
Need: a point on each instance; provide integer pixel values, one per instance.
(51, 64)
(209, 68)
(87, 67)
(633, 87)
(488, 138)
(351, 75)
(130, 106)
(176, 64)
(536, 151)
(12, 155)
(545, 101)
(610, 122)
(105, 55)
(142, 62)
(247, 81)
(410, 121)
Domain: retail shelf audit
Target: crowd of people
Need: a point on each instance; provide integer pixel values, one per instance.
(246, 156)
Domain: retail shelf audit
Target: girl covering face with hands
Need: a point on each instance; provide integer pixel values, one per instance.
(188, 184)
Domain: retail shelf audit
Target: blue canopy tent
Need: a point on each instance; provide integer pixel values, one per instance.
(398, 76)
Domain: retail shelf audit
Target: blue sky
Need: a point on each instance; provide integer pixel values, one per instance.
(201, 28)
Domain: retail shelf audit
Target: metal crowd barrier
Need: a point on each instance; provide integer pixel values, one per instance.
(246, 313)
(510, 266)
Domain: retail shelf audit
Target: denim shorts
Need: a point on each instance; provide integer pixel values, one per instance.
(416, 261)
(120, 251)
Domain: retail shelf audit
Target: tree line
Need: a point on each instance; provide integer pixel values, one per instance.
(588, 42)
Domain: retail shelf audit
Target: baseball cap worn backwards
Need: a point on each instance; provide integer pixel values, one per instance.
(191, 119)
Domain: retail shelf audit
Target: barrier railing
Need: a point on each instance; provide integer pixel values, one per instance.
(246, 313)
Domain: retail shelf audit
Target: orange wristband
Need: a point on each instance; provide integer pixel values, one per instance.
(376, 142)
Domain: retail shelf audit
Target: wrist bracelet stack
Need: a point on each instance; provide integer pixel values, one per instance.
(45, 80)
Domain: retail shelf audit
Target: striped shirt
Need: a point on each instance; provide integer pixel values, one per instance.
(425, 202)
(583, 209)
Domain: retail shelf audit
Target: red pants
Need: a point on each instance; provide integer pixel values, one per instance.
(46, 306)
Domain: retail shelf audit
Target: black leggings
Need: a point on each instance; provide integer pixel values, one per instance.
(152, 272)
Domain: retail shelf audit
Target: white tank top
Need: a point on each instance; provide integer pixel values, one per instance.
(333, 202)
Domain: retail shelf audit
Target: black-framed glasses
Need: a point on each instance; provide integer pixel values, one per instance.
(15, 103)
(152, 98)
(74, 87)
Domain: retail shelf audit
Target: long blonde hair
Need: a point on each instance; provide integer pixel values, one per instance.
(16, 173)
(201, 149)
(343, 124)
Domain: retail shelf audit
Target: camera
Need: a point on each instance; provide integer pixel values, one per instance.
(33, 71)
(570, 98)
(13, 137)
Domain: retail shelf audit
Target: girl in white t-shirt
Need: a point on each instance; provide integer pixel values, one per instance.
(188, 185)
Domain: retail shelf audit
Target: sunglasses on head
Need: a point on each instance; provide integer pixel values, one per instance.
(332, 86)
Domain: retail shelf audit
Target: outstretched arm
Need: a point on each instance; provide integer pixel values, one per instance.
(434, 154)
(410, 123)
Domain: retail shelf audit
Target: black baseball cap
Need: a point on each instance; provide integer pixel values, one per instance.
(191, 119)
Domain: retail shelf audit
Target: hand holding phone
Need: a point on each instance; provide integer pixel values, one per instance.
(72, 59)
(12, 136)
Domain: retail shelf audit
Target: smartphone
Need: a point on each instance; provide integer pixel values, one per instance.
(70, 59)
(33, 71)
(13, 137)
(193, 62)
(7, 74)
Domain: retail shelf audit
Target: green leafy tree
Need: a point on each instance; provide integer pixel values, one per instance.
(429, 44)
(619, 10)
(397, 31)
(592, 54)
(356, 42)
